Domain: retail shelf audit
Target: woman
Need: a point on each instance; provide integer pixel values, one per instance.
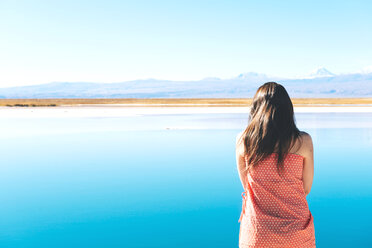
(276, 167)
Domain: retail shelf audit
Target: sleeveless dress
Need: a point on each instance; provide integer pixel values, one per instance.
(275, 212)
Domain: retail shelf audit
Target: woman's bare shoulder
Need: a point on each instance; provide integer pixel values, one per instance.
(306, 144)
(239, 136)
(239, 142)
(306, 137)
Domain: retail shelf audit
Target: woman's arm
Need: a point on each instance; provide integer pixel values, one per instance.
(240, 161)
(308, 169)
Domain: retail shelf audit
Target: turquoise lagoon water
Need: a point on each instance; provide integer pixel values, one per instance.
(166, 180)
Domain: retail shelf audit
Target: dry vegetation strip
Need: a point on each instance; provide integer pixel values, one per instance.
(234, 102)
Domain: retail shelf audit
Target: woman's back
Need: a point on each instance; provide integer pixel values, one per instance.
(276, 167)
(275, 212)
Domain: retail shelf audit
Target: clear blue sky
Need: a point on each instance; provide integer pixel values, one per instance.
(112, 41)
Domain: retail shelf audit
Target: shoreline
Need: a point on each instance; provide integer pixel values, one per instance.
(115, 112)
(178, 102)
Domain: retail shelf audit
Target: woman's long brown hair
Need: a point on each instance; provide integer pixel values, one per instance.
(271, 125)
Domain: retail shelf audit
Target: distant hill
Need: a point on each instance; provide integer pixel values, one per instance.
(320, 84)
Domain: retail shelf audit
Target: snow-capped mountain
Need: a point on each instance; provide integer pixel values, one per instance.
(321, 72)
(366, 70)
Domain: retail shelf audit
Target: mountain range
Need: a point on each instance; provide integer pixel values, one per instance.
(319, 84)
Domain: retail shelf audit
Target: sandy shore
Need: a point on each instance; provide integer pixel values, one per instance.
(110, 111)
(179, 102)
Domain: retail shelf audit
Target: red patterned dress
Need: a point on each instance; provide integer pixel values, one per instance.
(275, 212)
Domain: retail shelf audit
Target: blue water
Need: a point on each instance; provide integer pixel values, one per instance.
(131, 182)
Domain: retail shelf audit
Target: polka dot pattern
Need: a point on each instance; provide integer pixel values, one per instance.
(275, 212)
